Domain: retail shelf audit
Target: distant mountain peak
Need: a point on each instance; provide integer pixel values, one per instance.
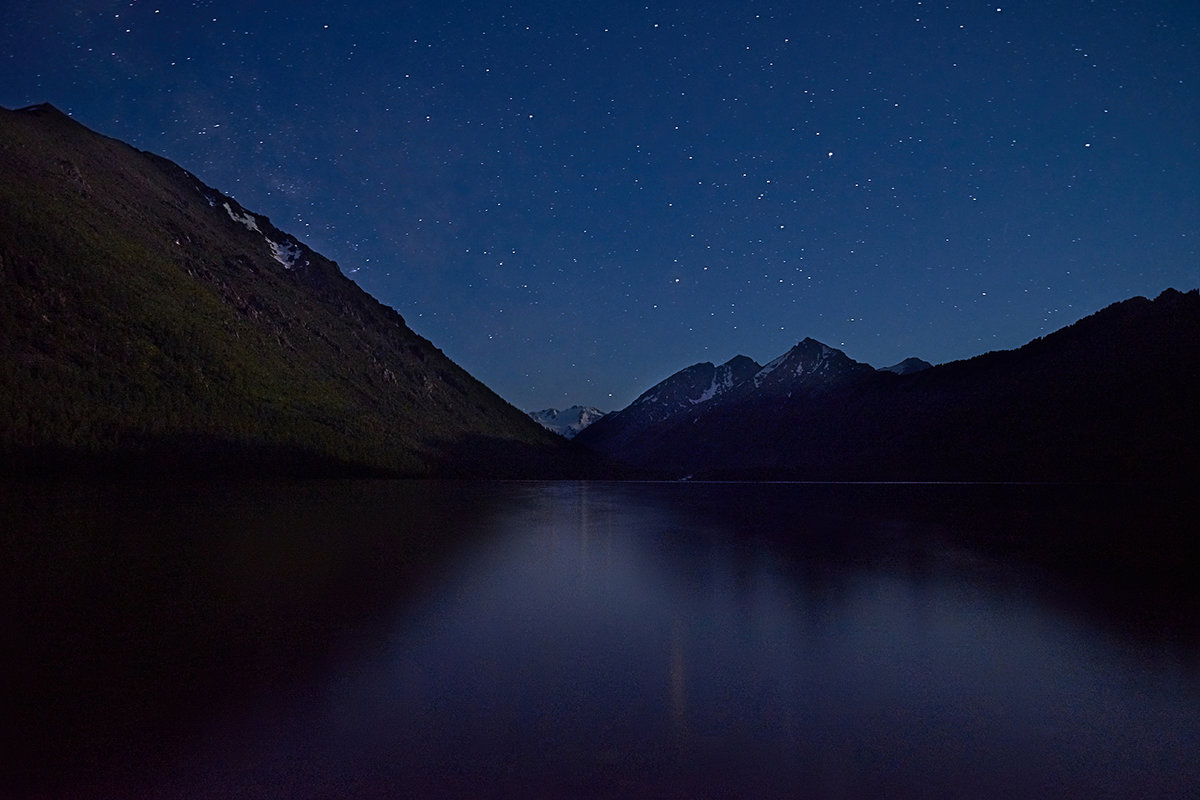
(697, 386)
(1108, 398)
(741, 362)
(728, 376)
(694, 385)
(908, 366)
(569, 421)
(809, 365)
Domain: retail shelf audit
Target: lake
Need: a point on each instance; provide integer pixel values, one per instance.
(557, 639)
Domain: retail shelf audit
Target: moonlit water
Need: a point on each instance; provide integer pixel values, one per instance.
(590, 639)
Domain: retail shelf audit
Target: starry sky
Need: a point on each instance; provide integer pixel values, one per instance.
(574, 200)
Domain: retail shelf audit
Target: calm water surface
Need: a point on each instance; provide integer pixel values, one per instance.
(383, 639)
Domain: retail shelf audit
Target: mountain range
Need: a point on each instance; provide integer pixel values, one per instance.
(150, 324)
(567, 422)
(1113, 397)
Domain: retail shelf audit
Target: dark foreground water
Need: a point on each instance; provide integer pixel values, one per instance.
(384, 639)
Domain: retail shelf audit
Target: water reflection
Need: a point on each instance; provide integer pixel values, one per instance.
(681, 641)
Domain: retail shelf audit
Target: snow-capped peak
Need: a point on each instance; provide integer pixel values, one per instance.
(568, 422)
(807, 357)
(809, 366)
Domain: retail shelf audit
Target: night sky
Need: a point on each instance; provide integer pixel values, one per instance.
(574, 200)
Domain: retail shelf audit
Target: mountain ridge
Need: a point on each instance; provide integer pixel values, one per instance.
(567, 422)
(678, 393)
(808, 367)
(1108, 398)
(152, 325)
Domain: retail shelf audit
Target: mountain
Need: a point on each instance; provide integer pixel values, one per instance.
(150, 324)
(679, 394)
(810, 368)
(568, 422)
(1111, 398)
(907, 366)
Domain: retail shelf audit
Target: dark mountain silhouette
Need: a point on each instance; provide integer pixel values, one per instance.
(1113, 397)
(150, 323)
(677, 395)
(908, 366)
(810, 369)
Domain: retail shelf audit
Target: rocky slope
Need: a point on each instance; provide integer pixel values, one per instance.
(150, 323)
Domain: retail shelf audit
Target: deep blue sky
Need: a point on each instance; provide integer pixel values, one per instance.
(574, 200)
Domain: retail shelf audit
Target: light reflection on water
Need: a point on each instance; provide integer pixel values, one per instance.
(696, 641)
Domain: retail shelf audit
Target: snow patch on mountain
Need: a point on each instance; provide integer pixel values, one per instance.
(720, 382)
(709, 393)
(288, 254)
(567, 422)
(769, 368)
(688, 388)
(245, 218)
(725, 377)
